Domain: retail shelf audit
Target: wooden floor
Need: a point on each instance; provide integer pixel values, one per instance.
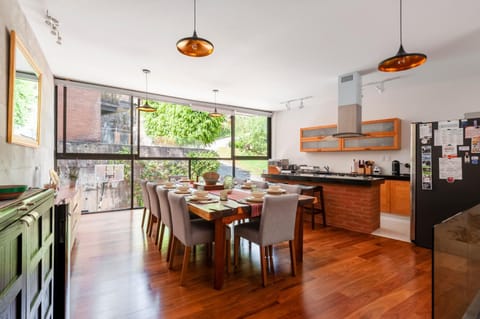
(119, 273)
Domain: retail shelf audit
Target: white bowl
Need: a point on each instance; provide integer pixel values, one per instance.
(247, 184)
(200, 193)
(169, 184)
(274, 187)
(258, 194)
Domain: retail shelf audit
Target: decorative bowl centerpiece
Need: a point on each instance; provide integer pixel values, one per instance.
(211, 178)
(11, 191)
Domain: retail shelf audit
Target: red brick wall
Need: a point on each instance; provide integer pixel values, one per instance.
(83, 114)
(351, 207)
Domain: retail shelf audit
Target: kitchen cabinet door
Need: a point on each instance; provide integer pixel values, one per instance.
(400, 197)
(318, 139)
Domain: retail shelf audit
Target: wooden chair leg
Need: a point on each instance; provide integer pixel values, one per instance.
(228, 256)
(172, 253)
(149, 225)
(270, 258)
(160, 238)
(143, 216)
(236, 250)
(159, 224)
(186, 259)
(170, 243)
(263, 264)
(292, 257)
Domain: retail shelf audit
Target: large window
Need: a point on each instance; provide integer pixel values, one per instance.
(99, 131)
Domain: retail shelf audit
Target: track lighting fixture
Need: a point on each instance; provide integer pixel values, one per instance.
(54, 25)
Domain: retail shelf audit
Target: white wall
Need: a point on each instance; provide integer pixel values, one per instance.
(429, 94)
(19, 164)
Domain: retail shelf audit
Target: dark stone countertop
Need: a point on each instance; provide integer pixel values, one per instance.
(327, 178)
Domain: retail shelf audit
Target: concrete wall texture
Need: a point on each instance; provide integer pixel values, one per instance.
(20, 164)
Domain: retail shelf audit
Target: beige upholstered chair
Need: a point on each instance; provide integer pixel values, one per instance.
(276, 224)
(189, 232)
(166, 216)
(155, 211)
(291, 188)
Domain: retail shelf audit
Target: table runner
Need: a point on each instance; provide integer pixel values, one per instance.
(240, 196)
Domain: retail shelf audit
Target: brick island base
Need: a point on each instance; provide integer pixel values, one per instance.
(352, 207)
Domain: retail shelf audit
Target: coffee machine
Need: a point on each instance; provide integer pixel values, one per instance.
(395, 168)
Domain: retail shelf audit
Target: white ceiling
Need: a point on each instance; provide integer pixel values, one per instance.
(266, 51)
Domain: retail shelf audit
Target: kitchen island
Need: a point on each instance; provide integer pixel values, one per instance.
(351, 202)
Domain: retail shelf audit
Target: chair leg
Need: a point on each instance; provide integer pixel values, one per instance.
(236, 250)
(270, 258)
(143, 216)
(263, 264)
(172, 253)
(170, 243)
(149, 224)
(160, 238)
(159, 224)
(292, 257)
(228, 256)
(186, 259)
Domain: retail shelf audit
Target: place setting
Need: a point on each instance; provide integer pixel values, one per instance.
(256, 197)
(275, 190)
(202, 197)
(182, 189)
(169, 185)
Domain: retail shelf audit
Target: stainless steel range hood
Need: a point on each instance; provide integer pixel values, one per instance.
(349, 122)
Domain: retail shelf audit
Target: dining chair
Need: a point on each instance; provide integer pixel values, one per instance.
(189, 232)
(276, 224)
(318, 205)
(155, 211)
(166, 216)
(146, 203)
(291, 188)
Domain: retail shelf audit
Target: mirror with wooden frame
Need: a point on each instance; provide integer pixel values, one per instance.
(24, 96)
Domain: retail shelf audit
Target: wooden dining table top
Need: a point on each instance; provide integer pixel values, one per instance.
(225, 212)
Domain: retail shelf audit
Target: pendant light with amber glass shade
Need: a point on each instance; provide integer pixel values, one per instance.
(195, 46)
(215, 112)
(402, 60)
(146, 107)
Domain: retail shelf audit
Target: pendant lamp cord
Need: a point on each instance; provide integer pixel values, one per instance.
(146, 86)
(195, 16)
(401, 22)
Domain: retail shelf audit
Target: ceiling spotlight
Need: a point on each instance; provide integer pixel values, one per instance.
(215, 112)
(195, 46)
(402, 60)
(146, 107)
(301, 104)
(380, 87)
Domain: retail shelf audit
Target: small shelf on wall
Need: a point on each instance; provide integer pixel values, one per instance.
(381, 134)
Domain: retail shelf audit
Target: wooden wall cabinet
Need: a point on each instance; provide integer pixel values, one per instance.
(26, 259)
(379, 135)
(395, 197)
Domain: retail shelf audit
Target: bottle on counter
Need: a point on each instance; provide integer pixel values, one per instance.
(361, 167)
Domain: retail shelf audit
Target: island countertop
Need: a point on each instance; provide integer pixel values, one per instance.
(327, 178)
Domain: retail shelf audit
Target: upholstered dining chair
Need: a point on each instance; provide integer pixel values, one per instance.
(291, 188)
(155, 211)
(276, 224)
(166, 216)
(189, 232)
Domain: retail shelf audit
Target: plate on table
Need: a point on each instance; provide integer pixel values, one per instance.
(11, 191)
(254, 199)
(178, 191)
(196, 198)
(276, 191)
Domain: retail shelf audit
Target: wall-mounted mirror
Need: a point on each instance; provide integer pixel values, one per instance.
(24, 96)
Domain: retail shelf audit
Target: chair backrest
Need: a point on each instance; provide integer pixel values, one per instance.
(260, 184)
(152, 195)
(180, 218)
(146, 200)
(165, 213)
(277, 222)
(291, 189)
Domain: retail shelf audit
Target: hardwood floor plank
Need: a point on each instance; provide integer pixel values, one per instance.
(118, 272)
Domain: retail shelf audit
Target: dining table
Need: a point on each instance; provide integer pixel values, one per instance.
(239, 206)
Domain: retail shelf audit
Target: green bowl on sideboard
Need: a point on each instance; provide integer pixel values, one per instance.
(11, 191)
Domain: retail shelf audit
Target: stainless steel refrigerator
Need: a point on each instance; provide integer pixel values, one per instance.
(445, 173)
